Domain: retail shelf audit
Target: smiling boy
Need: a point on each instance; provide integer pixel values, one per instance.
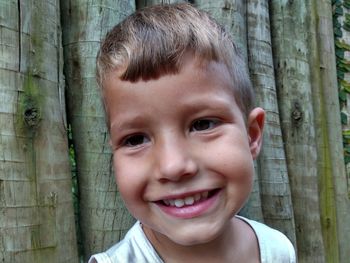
(184, 134)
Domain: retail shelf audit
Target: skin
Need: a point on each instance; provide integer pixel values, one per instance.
(179, 135)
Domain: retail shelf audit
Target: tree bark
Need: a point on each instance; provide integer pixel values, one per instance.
(36, 211)
(103, 217)
(232, 15)
(335, 205)
(290, 24)
(275, 191)
(144, 3)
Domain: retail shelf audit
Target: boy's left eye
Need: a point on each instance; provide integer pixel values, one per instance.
(203, 124)
(135, 140)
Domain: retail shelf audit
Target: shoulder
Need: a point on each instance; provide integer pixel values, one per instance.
(274, 246)
(135, 247)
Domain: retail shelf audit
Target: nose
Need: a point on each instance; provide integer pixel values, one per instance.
(175, 160)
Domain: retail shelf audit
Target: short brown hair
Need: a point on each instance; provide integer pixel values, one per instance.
(152, 42)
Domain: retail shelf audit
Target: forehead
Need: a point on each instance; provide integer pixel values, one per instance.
(195, 83)
(190, 69)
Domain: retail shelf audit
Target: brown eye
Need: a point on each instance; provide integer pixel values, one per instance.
(204, 124)
(135, 140)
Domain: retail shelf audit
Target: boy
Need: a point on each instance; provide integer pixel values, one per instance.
(184, 134)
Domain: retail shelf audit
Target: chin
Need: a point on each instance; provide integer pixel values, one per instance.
(199, 237)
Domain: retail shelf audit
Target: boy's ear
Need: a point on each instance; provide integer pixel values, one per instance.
(255, 127)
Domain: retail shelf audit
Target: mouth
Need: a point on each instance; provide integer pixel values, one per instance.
(188, 200)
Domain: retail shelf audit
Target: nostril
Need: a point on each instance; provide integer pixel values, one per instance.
(174, 158)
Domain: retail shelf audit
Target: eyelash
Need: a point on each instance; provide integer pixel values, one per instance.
(128, 140)
(211, 122)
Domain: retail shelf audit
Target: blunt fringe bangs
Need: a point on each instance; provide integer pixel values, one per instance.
(153, 41)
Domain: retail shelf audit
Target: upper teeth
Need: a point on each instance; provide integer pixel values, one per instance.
(188, 200)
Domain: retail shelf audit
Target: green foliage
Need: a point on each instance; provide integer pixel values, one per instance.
(75, 188)
(342, 46)
(344, 85)
(338, 11)
(343, 66)
(346, 141)
(346, 4)
(338, 33)
(339, 52)
(346, 135)
(340, 74)
(344, 118)
(342, 96)
(346, 25)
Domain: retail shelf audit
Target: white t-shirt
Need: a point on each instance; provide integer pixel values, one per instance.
(274, 247)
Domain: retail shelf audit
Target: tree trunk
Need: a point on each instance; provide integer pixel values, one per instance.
(103, 217)
(36, 211)
(275, 191)
(289, 20)
(335, 205)
(144, 3)
(232, 15)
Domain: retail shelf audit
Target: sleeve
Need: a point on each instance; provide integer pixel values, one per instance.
(275, 247)
(100, 258)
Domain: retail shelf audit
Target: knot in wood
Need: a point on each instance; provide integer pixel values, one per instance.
(297, 114)
(31, 116)
(227, 5)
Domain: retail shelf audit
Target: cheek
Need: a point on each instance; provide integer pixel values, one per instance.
(128, 181)
(234, 163)
(232, 158)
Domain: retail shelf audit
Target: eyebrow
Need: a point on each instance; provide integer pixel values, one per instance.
(134, 121)
(212, 103)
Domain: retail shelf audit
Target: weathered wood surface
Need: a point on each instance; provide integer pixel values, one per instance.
(276, 203)
(36, 211)
(103, 218)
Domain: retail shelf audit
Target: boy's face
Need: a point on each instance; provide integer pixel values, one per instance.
(183, 154)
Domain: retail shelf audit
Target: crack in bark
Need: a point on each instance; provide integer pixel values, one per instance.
(19, 35)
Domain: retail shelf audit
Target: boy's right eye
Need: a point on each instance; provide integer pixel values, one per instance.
(135, 140)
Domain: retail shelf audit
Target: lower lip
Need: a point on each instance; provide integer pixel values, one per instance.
(191, 211)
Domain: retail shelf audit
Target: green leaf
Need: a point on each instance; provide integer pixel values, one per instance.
(346, 26)
(343, 65)
(347, 149)
(336, 23)
(342, 96)
(345, 85)
(340, 74)
(339, 53)
(338, 33)
(342, 45)
(347, 159)
(347, 16)
(344, 118)
(346, 4)
(346, 134)
(338, 11)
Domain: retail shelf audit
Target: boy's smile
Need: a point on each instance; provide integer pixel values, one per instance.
(191, 206)
(183, 152)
